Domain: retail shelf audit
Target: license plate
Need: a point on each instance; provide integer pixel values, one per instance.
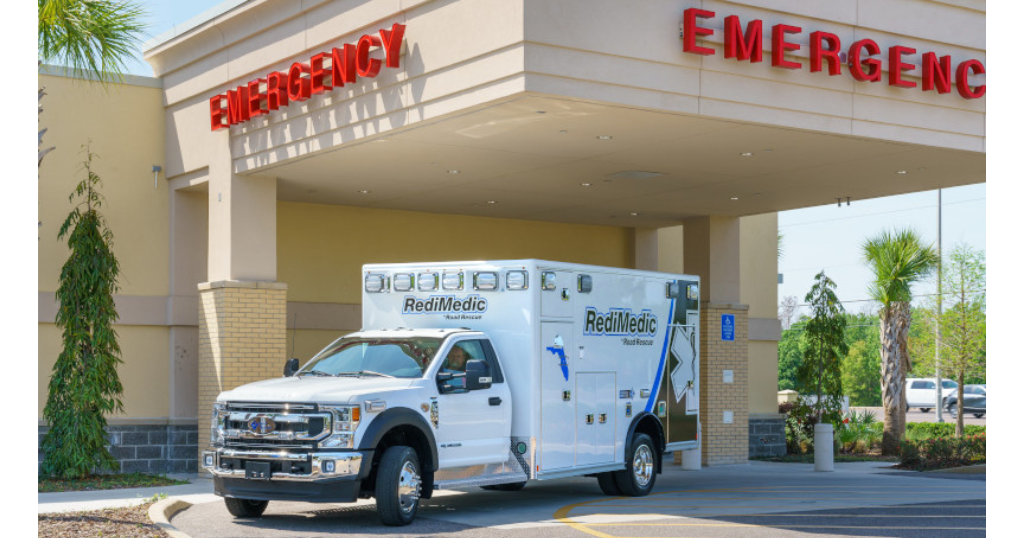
(257, 470)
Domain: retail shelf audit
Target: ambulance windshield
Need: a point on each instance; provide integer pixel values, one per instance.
(377, 357)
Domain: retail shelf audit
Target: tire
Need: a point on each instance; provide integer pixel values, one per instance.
(245, 507)
(637, 480)
(397, 488)
(609, 486)
(925, 409)
(979, 415)
(907, 410)
(952, 410)
(514, 486)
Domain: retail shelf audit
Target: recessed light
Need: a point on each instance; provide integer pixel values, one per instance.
(604, 137)
(364, 192)
(541, 111)
(586, 184)
(901, 172)
(453, 172)
(746, 154)
(492, 201)
(563, 131)
(734, 198)
(634, 214)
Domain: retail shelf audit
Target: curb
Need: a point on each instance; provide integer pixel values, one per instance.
(161, 513)
(967, 469)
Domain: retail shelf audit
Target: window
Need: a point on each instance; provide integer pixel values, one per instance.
(395, 357)
(922, 385)
(947, 384)
(477, 350)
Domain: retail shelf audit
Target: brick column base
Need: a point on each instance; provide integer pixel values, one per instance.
(241, 339)
(722, 443)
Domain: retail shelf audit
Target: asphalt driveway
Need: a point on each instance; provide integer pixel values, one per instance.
(755, 500)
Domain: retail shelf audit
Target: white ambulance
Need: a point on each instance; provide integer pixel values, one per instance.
(485, 373)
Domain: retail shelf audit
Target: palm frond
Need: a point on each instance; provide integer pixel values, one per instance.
(897, 259)
(90, 35)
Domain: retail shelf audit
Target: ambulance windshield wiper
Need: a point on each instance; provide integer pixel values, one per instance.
(319, 373)
(361, 373)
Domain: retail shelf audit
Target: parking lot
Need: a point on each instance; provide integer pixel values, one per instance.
(755, 500)
(916, 415)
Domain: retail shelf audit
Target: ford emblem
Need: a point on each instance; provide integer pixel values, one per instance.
(261, 424)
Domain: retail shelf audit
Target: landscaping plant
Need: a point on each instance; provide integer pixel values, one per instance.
(824, 349)
(897, 260)
(84, 385)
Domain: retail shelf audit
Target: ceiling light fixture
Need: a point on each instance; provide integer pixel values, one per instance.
(453, 172)
(634, 214)
(492, 201)
(901, 172)
(364, 192)
(541, 111)
(746, 154)
(734, 198)
(604, 137)
(586, 184)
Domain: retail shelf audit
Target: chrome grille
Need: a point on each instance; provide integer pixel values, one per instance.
(294, 425)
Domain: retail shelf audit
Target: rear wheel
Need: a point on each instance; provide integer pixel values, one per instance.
(245, 507)
(514, 486)
(637, 480)
(398, 486)
(925, 409)
(979, 415)
(952, 410)
(609, 486)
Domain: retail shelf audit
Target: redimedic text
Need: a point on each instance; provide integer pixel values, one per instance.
(864, 65)
(325, 71)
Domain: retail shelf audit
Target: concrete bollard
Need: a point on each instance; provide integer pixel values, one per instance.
(824, 459)
(691, 459)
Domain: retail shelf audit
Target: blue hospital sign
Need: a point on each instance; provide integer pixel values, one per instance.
(728, 327)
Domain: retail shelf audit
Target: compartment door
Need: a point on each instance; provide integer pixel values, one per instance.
(558, 396)
(595, 418)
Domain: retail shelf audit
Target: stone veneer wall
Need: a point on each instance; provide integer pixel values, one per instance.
(150, 448)
(767, 435)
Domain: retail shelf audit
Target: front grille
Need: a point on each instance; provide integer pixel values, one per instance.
(273, 425)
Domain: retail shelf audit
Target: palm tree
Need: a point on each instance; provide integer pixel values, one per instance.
(88, 35)
(898, 259)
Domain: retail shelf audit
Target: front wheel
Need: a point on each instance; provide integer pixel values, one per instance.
(245, 507)
(398, 486)
(608, 484)
(979, 415)
(925, 409)
(637, 480)
(952, 411)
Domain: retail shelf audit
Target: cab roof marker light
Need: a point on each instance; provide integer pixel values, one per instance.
(427, 282)
(485, 281)
(404, 282)
(453, 281)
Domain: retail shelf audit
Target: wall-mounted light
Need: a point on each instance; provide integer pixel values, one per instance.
(156, 173)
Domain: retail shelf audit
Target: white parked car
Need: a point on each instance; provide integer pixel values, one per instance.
(921, 392)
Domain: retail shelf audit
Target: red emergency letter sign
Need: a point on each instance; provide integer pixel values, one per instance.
(298, 82)
(320, 78)
(366, 66)
(974, 66)
(897, 67)
(874, 65)
(936, 73)
(691, 30)
(392, 43)
(218, 115)
(743, 45)
(780, 46)
(257, 102)
(830, 53)
(277, 92)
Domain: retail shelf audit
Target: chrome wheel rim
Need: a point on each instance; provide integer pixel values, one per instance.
(643, 465)
(408, 487)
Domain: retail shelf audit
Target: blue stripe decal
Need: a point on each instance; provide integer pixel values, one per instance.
(664, 352)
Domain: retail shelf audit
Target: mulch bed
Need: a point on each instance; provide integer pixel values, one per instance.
(841, 458)
(106, 481)
(130, 522)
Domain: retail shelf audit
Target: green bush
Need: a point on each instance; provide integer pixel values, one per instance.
(931, 430)
(942, 452)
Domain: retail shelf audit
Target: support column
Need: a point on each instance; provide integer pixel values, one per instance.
(711, 250)
(242, 309)
(645, 249)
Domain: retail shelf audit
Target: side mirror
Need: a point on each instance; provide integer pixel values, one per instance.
(290, 367)
(478, 375)
(451, 382)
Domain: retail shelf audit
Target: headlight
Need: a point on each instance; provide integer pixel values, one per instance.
(344, 421)
(217, 425)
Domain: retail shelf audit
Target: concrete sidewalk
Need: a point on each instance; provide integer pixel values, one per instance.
(198, 490)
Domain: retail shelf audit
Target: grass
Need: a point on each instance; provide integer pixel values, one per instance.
(107, 481)
(840, 458)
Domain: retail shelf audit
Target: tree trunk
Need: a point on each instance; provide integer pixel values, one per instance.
(894, 329)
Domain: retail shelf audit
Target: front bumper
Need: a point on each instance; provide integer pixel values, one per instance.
(293, 476)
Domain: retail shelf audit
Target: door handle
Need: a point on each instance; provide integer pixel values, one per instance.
(494, 400)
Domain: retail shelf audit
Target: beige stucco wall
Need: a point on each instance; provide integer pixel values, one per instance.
(124, 123)
(321, 248)
(144, 374)
(759, 288)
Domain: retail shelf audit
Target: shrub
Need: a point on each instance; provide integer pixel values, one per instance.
(930, 430)
(857, 432)
(942, 452)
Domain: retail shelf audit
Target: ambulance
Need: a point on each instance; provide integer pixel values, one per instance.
(479, 373)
